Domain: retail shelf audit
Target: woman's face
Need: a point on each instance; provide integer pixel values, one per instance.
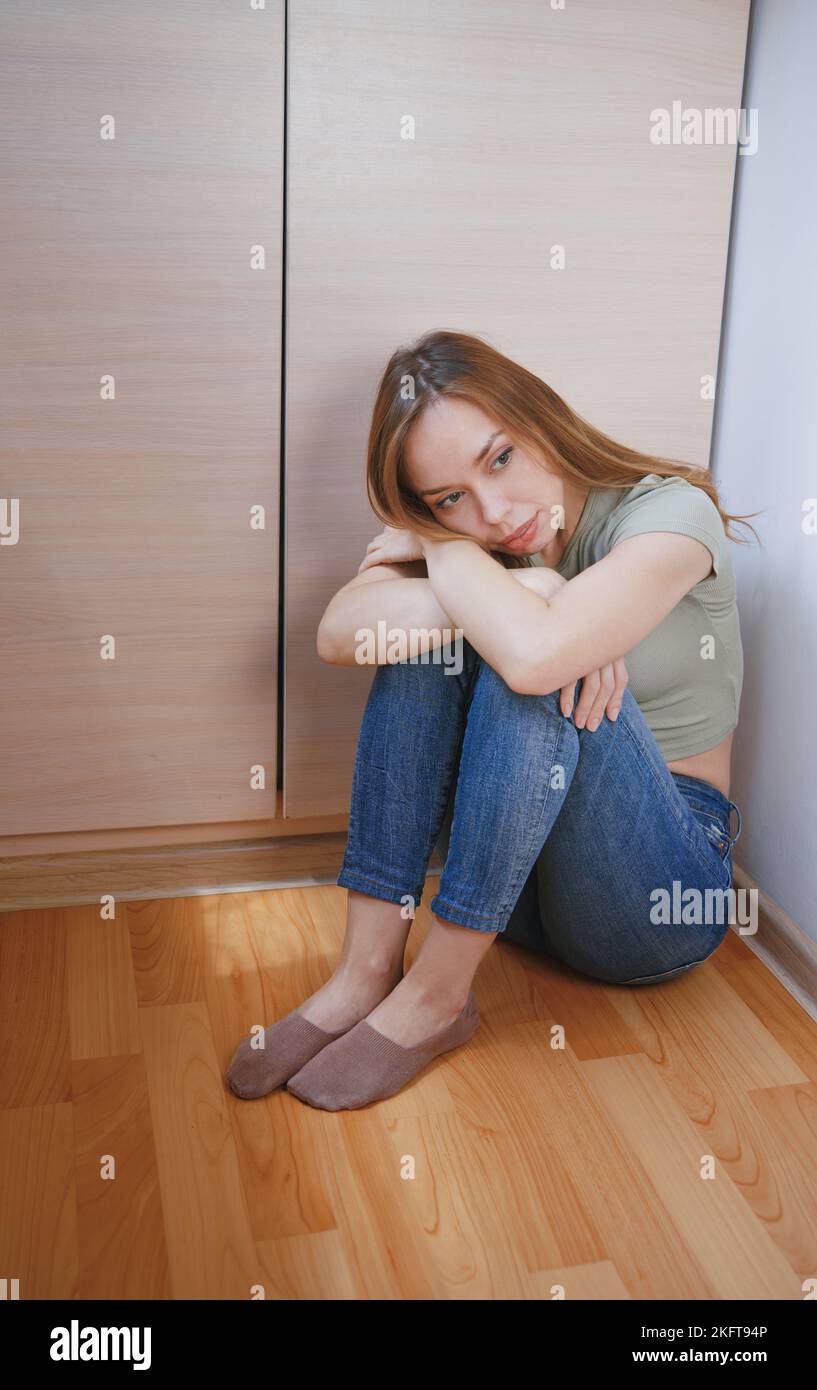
(462, 464)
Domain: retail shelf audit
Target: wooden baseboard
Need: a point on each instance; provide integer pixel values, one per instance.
(169, 871)
(782, 945)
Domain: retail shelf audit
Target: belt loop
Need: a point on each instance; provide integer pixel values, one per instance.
(734, 807)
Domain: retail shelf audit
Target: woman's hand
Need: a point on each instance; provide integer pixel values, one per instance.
(392, 546)
(602, 693)
(603, 689)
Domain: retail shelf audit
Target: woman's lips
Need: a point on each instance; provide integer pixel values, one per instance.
(525, 534)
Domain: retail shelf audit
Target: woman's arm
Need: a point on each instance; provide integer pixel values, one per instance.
(363, 602)
(598, 616)
(401, 596)
(397, 594)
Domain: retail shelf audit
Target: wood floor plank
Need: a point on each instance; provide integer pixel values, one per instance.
(789, 1116)
(563, 998)
(282, 1167)
(368, 1195)
(101, 990)
(309, 1267)
(700, 1015)
(448, 1236)
(598, 1281)
(207, 1224)
(165, 940)
(733, 950)
(582, 1194)
(262, 954)
(780, 1014)
(118, 1196)
(775, 1179)
(731, 1245)
(35, 1039)
(38, 1201)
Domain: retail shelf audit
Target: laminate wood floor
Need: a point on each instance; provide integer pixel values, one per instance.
(597, 1142)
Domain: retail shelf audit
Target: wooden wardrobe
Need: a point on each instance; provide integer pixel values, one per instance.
(220, 220)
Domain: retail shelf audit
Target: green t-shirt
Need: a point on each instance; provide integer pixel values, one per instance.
(687, 674)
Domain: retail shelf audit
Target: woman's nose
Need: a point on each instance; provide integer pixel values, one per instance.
(496, 514)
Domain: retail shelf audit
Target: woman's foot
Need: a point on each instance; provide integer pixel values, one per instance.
(364, 1065)
(259, 1066)
(351, 993)
(414, 1010)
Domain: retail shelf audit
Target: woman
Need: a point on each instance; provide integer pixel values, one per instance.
(555, 552)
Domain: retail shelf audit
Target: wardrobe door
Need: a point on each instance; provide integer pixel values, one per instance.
(142, 247)
(490, 169)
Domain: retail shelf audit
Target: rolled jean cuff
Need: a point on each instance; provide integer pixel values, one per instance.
(375, 888)
(463, 916)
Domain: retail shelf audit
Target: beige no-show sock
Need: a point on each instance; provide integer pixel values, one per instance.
(364, 1065)
(288, 1045)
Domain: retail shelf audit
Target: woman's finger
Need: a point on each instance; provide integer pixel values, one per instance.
(590, 688)
(568, 692)
(607, 684)
(621, 678)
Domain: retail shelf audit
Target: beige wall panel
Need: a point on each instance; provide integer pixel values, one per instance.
(532, 131)
(132, 257)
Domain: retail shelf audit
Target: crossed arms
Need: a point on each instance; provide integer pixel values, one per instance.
(537, 643)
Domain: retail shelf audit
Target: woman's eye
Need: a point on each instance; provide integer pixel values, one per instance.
(506, 454)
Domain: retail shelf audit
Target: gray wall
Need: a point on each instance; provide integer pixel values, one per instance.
(765, 456)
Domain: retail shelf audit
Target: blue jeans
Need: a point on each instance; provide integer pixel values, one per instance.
(581, 845)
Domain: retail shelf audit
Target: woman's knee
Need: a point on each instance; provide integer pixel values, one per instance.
(490, 686)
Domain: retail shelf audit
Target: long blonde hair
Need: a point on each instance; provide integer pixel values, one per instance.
(447, 364)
